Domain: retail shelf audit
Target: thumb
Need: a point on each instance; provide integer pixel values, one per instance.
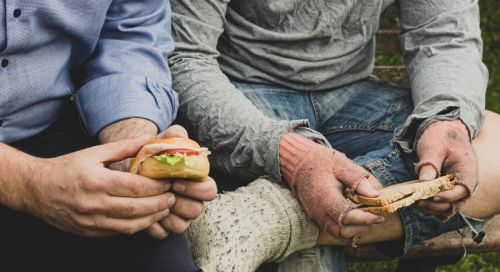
(364, 188)
(430, 164)
(174, 131)
(117, 151)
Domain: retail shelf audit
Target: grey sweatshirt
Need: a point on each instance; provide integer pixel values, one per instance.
(315, 45)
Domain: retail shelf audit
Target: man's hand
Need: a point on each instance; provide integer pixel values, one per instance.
(78, 194)
(315, 174)
(445, 147)
(190, 196)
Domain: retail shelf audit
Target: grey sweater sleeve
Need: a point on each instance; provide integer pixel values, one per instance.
(442, 46)
(244, 142)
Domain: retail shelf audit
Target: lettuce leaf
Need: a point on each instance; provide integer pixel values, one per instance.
(173, 159)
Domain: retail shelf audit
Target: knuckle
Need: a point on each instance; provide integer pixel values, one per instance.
(88, 224)
(211, 191)
(197, 210)
(128, 230)
(81, 206)
(163, 203)
(131, 209)
(90, 183)
(135, 188)
(179, 226)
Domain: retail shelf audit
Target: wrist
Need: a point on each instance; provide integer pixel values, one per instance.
(293, 149)
(126, 129)
(455, 124)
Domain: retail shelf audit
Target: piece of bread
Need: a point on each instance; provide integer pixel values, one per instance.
(403, 194)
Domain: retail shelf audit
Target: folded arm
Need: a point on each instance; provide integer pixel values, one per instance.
(127, 75)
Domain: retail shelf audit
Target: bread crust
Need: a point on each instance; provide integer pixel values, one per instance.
(145, 165)
(403, 194)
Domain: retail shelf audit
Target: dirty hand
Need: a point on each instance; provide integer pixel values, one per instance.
(443, 148)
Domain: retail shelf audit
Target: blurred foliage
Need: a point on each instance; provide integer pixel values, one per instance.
(490, 27)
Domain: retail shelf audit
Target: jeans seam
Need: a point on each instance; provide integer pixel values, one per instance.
(315, 106)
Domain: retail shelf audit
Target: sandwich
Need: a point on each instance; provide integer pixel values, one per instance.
(172, 158)
(403, 194)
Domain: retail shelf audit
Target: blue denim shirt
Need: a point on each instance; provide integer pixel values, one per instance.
(109, 54)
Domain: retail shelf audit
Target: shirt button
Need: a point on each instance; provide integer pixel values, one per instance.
(17, 12)
(5, 62)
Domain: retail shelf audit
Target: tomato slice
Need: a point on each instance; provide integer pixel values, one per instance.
(183, 151)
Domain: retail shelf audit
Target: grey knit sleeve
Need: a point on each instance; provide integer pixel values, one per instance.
(244, 141)
(442, 45)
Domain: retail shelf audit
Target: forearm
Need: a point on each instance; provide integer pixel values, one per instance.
(18, 170)
(442, 47)
(127, 128)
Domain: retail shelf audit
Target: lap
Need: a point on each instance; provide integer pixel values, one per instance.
(355, 118)
(360, 119)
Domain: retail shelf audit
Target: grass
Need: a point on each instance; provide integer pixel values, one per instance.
(490, 27)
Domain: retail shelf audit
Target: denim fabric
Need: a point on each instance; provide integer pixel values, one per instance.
(360, 120)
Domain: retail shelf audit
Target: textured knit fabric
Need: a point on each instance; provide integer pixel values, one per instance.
(314, 173)
(240, 230)
(110, 53)
(314, 45)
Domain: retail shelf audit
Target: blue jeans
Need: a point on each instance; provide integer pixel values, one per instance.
(360, 120)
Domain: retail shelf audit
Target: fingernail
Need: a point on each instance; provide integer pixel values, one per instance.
(426, 176)
(179, 187)
(379, 220)
(437, 198)
(171, 200)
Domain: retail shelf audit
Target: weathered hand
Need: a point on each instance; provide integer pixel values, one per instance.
(190, 196)
(445, 147)
(315, 174)
(78, 194)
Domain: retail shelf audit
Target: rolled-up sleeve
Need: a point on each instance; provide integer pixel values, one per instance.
(127, 75)
(442, 45)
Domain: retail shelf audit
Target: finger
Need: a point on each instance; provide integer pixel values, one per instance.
(203, 191)
(434, 206)
(175, 224)
(117, 151)
(174, 131)
(359, 217)
(352, 175)
(427, 172)
(431, 159)
(157, 231)
(364, 188)
(131, 185)
(127, 207)
(187, 207)
(453, 195)
(124, 226)
(351, 231)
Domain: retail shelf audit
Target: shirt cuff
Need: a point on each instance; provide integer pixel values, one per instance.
(408, 135)
(112, 98)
